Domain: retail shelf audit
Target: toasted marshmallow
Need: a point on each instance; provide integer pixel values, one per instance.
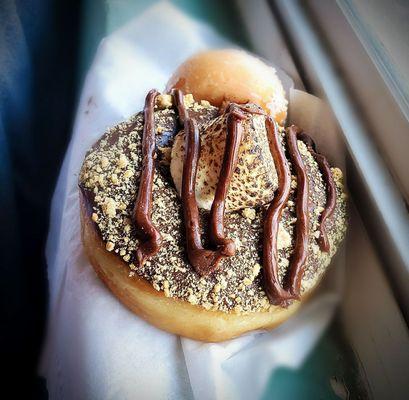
(254, 180)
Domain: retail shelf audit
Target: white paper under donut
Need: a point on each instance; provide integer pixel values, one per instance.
(95, 347)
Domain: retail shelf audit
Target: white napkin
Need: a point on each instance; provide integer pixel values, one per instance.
(95, 347)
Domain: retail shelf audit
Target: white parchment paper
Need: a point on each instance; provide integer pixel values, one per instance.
(95, 347)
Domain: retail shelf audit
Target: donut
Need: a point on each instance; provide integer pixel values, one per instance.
(231, 75)
(209, 221)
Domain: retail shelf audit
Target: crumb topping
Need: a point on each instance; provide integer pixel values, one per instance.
(110, 179)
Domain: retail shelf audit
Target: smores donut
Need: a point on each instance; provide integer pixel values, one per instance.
(209, 221)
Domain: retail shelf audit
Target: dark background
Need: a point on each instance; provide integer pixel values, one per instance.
(38, 82)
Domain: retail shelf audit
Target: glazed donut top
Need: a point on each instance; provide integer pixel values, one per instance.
(260, 246)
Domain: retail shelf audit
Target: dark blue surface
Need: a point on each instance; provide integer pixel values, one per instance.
(37, 79)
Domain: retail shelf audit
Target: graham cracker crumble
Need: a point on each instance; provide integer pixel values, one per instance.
(110, 178)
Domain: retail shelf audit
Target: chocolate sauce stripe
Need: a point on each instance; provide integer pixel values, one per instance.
(150, 237)
(330, 204)
(274, 291)
(331, 194)
(203, 260)
(299, 256)
(233, 140)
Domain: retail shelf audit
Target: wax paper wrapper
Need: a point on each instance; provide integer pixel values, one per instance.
(95, 347)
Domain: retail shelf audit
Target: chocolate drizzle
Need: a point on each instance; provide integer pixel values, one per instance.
(292, 283)
(329, 209)
(149, 236)
(299, 256)
(205, 261)
(233, 140)
(274, 291)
